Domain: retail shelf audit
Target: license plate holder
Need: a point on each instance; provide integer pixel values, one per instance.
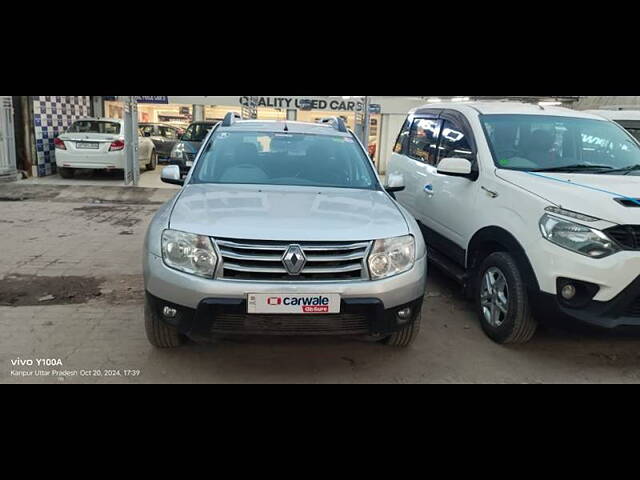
(293, 303)
(87, 145)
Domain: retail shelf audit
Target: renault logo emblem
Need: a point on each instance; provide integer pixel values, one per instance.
(294, 259)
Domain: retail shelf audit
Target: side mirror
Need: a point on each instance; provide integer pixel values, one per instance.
(454, 166)
(171, 174)
(395, 183)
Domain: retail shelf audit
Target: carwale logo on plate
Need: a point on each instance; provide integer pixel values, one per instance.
(293, 303)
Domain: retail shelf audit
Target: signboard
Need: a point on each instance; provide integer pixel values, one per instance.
(163, 100)
(375, 108)
(152, 99)
(337, 104)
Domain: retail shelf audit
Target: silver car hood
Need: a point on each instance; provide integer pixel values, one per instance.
(286, 213)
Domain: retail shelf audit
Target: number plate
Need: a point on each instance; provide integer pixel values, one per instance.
(293, 303)
(87, 145)
(189, 163)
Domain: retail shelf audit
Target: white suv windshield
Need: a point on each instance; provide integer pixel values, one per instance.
(270, 158)
(551, 143)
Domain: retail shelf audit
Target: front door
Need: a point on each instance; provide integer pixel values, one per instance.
(452, 200)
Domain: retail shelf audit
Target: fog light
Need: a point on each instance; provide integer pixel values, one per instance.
(403, 315)
(169, 312)
(568, 291)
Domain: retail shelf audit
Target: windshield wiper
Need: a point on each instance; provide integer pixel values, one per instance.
(627, 170)
(575, 168)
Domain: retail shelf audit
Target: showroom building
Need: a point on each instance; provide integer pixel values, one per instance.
(39, 119)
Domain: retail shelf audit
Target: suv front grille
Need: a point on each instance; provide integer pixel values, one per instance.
(627, 236)
(262, 260)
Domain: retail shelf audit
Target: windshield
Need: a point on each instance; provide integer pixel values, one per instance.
(197, 132)
(540, 142)
(94, 126)
(269, 158)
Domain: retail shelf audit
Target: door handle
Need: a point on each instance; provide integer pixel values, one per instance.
(428, 189)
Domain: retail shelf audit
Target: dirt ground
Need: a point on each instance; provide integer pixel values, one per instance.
(82, 245)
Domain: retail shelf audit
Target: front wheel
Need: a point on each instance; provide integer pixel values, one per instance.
(502, 300)
(160, 334)
(407, 335)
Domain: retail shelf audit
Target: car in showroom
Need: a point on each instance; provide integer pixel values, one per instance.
(533, 209)
(163, 136)
(282, 228)
(184, 151)
(98, 143)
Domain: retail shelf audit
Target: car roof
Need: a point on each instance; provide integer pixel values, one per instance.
(279, 127)
(617, 114)
(505, 108)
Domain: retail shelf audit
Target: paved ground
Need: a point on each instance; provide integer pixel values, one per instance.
(100, 178)
(52, 235)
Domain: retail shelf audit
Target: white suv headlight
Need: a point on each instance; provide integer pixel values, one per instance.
(189, 253)
(576, 237)
(392, 256)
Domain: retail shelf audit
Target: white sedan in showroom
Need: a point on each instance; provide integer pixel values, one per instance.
(98, 143)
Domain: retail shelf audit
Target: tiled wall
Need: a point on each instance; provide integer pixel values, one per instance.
(52, 115)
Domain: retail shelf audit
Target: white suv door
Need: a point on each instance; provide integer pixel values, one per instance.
(451, 203)
(414, 151)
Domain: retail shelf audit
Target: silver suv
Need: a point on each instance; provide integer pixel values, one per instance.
(282, 228)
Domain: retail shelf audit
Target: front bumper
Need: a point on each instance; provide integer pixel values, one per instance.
(189, 290)
(227, 316)
(622, 310)
(612, 274)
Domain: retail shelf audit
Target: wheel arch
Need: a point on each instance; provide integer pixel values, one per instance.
(496, 239)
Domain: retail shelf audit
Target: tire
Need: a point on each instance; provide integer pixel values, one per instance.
(154, 161)
(66, 172)
(405, 337)
(503, 306)
(160, 334)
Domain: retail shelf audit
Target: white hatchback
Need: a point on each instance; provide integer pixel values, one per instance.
(99, 144)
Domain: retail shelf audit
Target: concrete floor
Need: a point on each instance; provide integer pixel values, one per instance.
(97, 233)
(100, 178)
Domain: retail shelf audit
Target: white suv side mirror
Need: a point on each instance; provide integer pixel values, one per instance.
(171, 174)
(395, 183)
(455, 166)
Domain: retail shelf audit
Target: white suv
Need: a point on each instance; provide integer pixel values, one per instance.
(533, 209)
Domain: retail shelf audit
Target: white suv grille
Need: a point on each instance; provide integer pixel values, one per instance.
(263, 260)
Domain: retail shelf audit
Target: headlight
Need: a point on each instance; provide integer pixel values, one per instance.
(576, 237)
(189, 253)
(392, 256)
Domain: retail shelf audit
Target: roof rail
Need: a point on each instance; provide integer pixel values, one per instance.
(230, 118)
(335, 122)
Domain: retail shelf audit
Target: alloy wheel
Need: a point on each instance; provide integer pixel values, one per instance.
(494, 297)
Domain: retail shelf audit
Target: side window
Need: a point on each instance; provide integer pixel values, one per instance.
(454, 142)
(167, 132)
(403, 138)
(147, 129)
(423, 139)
